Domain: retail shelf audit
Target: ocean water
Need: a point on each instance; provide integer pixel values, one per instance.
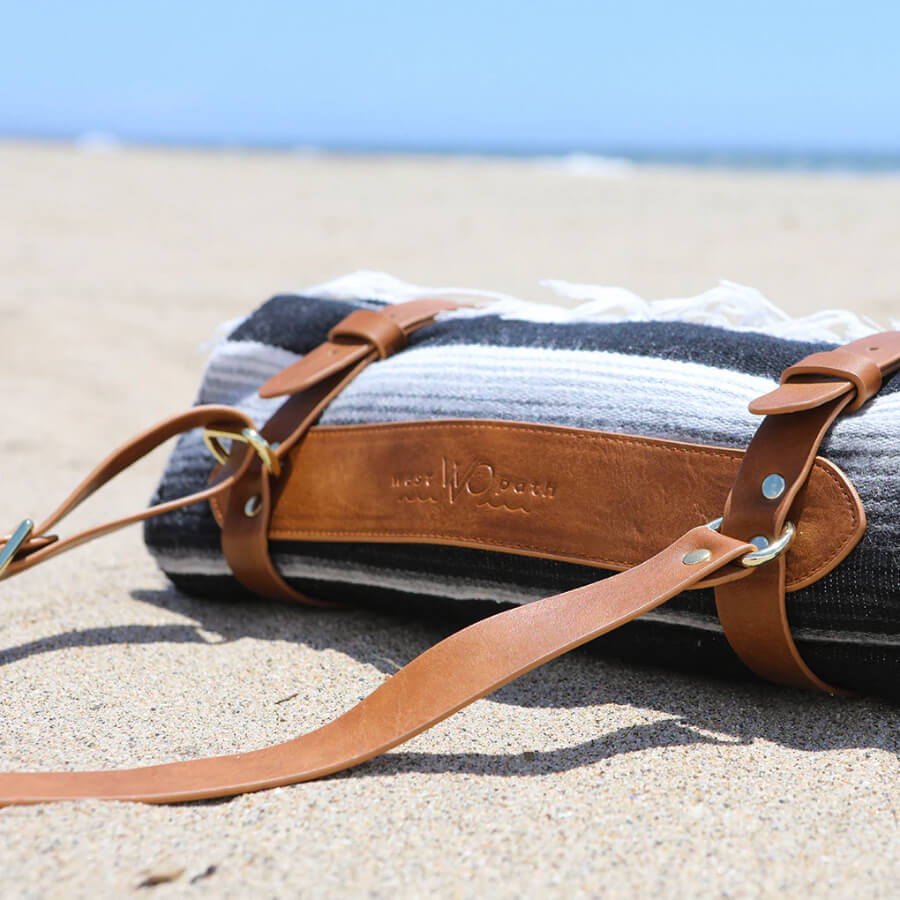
(573, 160)
(583, 160)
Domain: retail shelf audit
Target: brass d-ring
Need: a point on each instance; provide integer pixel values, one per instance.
(212, 437)
(770, 551)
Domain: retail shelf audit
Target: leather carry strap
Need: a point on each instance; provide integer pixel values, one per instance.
(30, 544)
(476, 660)
(569, 494)
(452, 674)
(770, 488)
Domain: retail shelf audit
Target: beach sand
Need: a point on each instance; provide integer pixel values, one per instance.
(586, 778)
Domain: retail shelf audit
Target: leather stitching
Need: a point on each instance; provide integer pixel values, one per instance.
(560, 431)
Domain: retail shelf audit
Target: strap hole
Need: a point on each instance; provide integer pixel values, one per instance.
(873, 349)
(253, 506)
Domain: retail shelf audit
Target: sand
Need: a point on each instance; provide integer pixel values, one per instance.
(585, 778)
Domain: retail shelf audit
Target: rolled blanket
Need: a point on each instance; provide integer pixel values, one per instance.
(649, 373)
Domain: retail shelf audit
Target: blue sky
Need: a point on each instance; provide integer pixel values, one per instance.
(561, 75)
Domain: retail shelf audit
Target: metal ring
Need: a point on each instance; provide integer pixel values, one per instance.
(212, 437)
(767, 553)
(13, 543)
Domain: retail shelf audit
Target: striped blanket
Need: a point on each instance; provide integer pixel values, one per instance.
(661, 371)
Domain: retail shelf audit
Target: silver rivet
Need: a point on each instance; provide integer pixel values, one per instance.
(252, 506)
(773, 486)
(696, 556)
(760, 542)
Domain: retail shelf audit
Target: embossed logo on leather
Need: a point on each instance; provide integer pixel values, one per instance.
(478, 482)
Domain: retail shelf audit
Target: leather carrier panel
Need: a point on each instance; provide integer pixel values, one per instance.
(589, 497)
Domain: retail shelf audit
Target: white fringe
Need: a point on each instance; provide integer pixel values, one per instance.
(727, 305)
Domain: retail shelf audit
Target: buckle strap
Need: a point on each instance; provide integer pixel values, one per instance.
(245, 508)
(362, 334)
(372, 327)
(862, 372)
(769, 482)
(310, 384)
(821, 378)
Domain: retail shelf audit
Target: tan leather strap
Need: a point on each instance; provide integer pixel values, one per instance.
(813, 393)
(373, 327)
(245, 529)
(460, 669)
(311, 384)
(42, 545)
(363, 333)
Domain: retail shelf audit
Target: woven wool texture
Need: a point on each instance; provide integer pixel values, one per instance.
(668, 379)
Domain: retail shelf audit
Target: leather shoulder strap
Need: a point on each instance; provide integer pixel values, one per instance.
(452, 674)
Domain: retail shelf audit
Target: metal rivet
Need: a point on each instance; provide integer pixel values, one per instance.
(773, 486)
(252, 506)
(760, 542)
(696, 556)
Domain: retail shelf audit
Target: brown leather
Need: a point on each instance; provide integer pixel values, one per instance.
(796, 396)
(356, 342)
(859, 366)
(862, 372)
(588, 497)
(800, 414)
(452, 674)
(756, 623)
(487, 655)
(42, 546)
(372, 327)
(310, 383)
(245, 539)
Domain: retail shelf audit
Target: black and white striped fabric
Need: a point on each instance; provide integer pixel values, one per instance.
(667, 379)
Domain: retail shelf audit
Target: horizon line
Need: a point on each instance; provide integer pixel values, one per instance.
(730, 156)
